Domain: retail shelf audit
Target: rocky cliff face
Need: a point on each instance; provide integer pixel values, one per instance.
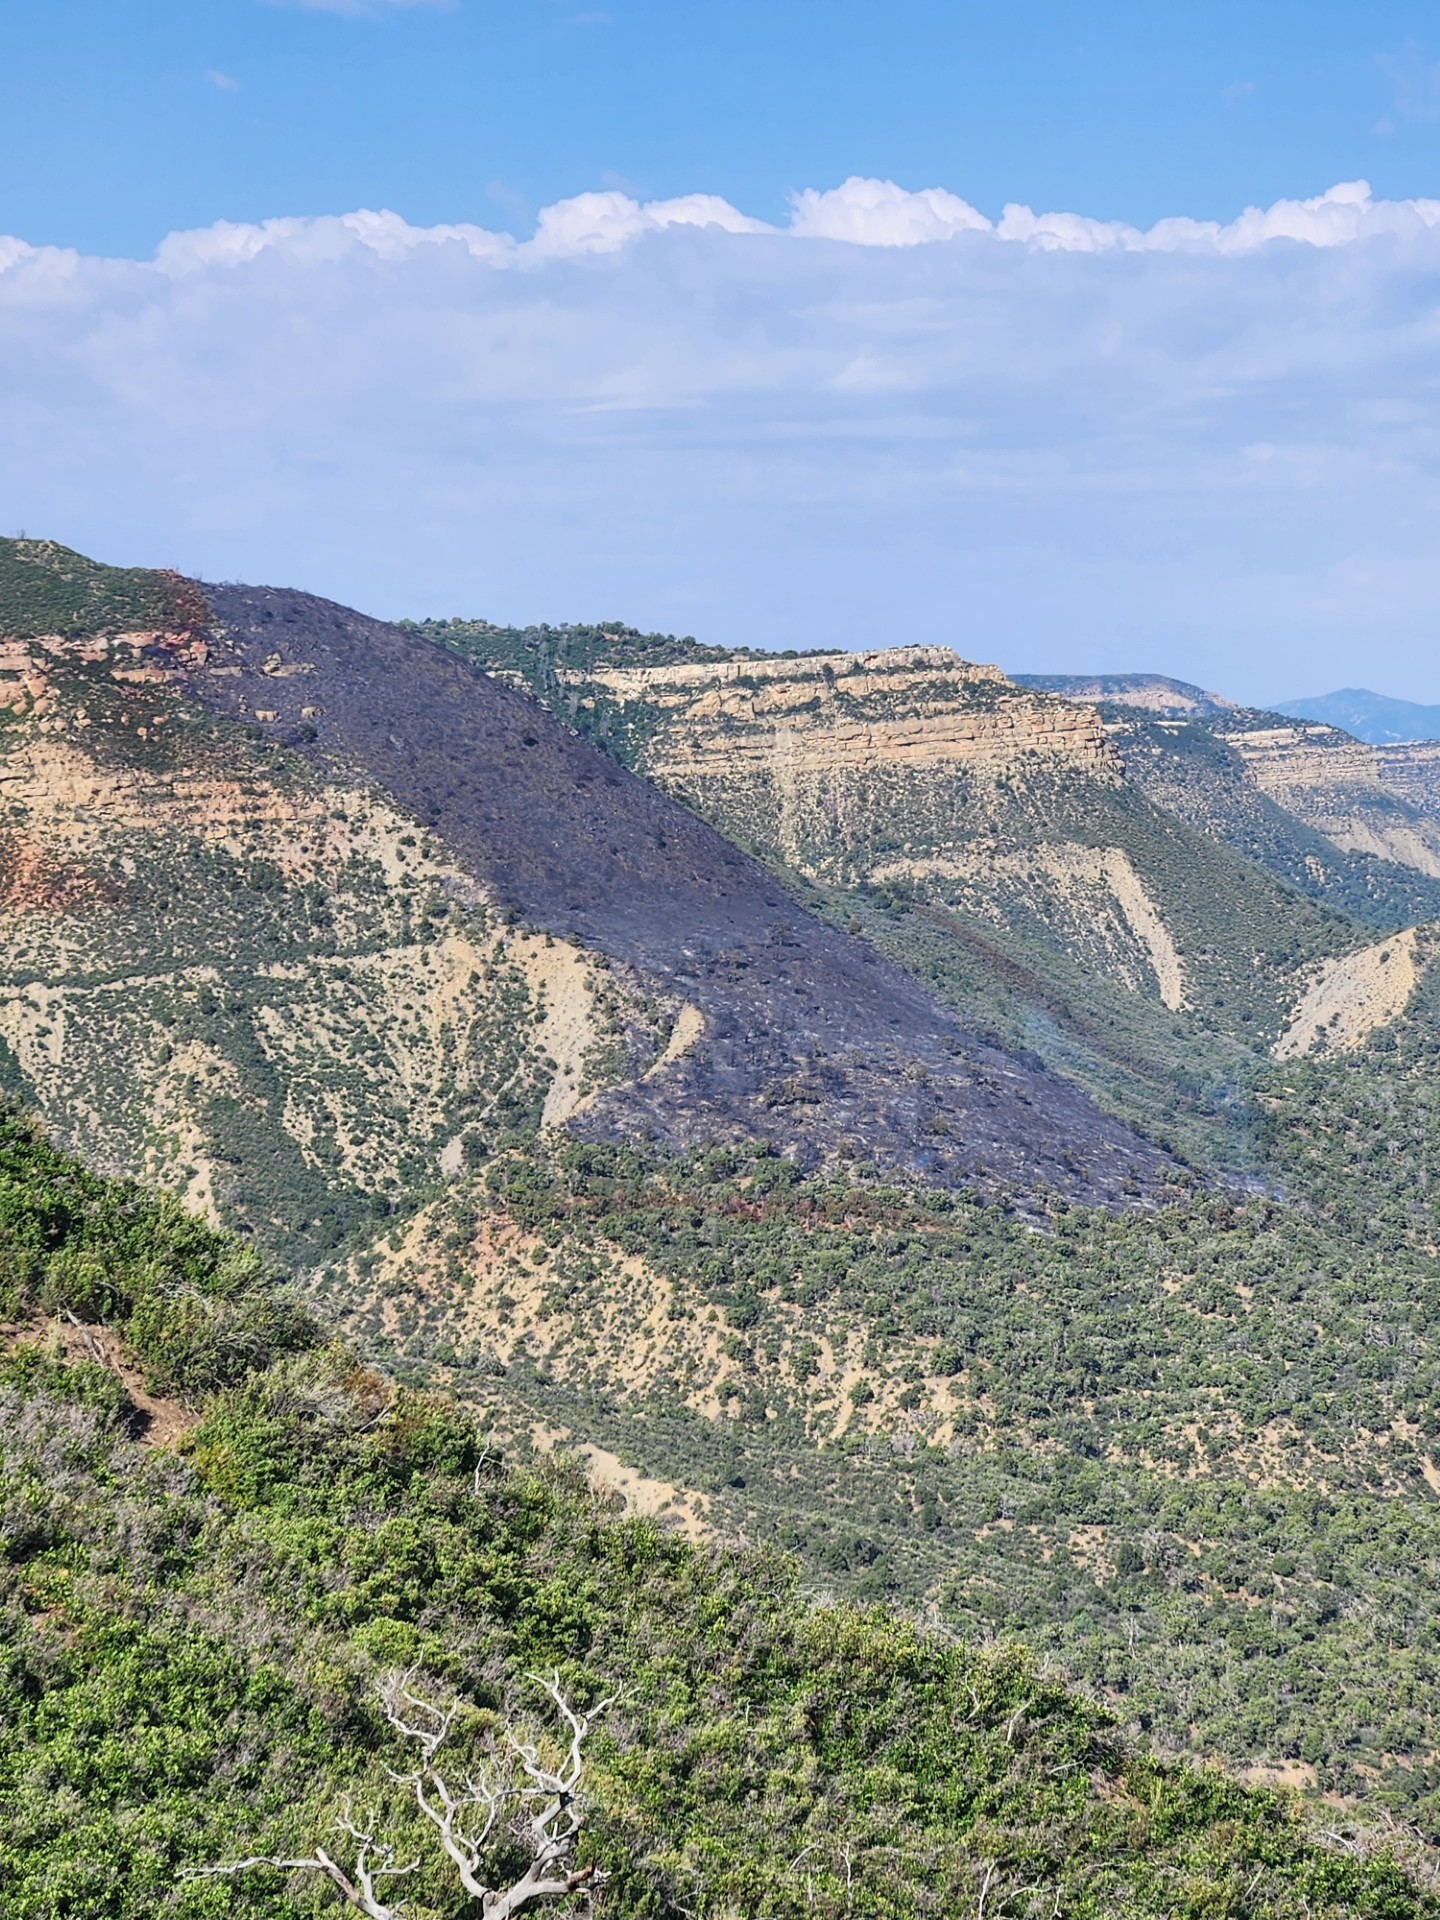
(1336, 784)
(814, 754)
(919, 706)
(1411, 768)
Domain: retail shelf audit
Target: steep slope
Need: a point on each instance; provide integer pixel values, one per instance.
(987, 834)
(1187, 1451)
(1354, 996)
(1191, 1454)
(307, 912)
(912, 766)
(804, 1035)
(1355, 826)
(260, 982)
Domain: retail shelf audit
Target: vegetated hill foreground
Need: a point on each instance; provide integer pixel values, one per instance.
(197, 1637)
(946, 1162)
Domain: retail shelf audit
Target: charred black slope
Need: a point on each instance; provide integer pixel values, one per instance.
(810, 1039)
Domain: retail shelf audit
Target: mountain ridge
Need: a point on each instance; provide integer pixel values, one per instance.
(349, 942)
(1377, 718)
(764, 1022)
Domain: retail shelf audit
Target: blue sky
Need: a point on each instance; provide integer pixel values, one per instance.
(795, 413)
(123, 119)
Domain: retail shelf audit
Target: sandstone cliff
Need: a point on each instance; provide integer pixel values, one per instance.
(1337, 784)
(1411, 768)
(810, 753)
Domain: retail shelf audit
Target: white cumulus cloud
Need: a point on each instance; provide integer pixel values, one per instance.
(1208, 447)
(600, 222)
(877, 213)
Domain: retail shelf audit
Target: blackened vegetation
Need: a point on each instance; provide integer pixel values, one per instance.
(811, 1040)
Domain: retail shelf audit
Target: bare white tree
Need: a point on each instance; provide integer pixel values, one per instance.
(515, 1791)
(374, 1861)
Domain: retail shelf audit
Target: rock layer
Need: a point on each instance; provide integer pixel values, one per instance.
(809, 1039)
(1336, 784)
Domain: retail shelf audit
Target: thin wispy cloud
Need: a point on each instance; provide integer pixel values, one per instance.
(1415, 79)
(1035, 435)
(358, 9)
(226, 82)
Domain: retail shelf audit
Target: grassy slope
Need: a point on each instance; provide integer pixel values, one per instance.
(47, 589)
(191, 1646)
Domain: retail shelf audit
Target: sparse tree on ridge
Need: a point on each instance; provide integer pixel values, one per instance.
(515, 1793)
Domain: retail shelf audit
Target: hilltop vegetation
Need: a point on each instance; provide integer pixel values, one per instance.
(192, 1644)
(197, 1309)
(47, 589)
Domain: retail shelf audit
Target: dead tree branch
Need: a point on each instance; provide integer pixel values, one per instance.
(540, 1804)
(374, 1861)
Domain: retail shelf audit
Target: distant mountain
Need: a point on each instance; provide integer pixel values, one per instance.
(1150, 692)
(1369, 716)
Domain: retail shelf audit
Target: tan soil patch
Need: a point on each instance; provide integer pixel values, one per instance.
(689, 1027)
(165, 1421)
(1352, 996)
(1297, 1775)
(677, 1507)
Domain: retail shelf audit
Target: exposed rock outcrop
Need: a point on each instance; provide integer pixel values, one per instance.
(1351, 997)
(1335, 783)
(823, 755)
(805, 1036)
(1411, 768)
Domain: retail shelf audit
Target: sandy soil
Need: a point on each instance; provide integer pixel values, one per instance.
(1350, 997)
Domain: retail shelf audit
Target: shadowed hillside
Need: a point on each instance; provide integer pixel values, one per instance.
(306, 913)
(989, 836)
(800, 1034)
